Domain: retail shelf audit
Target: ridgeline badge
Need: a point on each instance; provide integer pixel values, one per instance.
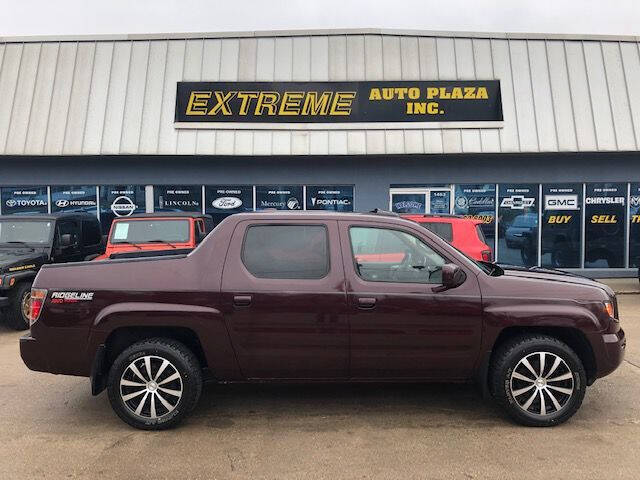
(251, 105)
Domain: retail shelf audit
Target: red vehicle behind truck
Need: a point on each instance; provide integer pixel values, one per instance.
(463, 233)
(288, 297)
(148, 233)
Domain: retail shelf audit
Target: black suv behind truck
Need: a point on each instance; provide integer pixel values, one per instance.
(29, 241)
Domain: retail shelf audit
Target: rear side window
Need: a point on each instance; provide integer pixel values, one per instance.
(481, 234)
(442, 229)
(286, 251)
(91, 234)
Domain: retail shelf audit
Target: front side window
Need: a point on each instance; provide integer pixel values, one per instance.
(150, 231)
(286, 251)
(25, 232)
(384, 255)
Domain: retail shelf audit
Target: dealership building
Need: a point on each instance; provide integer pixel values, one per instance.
(537, 136)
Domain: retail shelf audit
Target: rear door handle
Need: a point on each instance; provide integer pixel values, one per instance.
(366, 303)
(242, 300)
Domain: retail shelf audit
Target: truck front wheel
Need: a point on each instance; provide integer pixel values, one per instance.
(17, 313)
(154, 384)
(538, 380)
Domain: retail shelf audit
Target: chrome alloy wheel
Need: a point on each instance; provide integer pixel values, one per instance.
(151, 387)
(541, 383)
(25, 305)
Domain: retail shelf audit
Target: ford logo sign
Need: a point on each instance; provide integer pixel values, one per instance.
(226, 203)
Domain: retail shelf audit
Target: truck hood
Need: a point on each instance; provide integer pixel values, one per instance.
(552, 275)
(15, 260)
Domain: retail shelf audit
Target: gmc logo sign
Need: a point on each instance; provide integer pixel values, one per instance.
(561, 202)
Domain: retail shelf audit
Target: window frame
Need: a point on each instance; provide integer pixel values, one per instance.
(327, 273)
(413, 234)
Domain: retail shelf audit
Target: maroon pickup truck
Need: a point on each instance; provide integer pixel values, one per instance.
(308, 296)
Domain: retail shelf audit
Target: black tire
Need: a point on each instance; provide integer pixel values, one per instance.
(14, 316)
(182, 362)
(549, 393)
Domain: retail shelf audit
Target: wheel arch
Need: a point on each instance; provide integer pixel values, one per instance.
(573, 337)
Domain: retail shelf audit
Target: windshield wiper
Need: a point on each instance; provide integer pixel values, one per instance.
(162, 241)
(128, 243)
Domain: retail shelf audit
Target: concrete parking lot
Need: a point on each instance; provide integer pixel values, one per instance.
(51, 427)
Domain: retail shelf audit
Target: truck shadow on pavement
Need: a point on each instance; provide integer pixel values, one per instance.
(326, 406)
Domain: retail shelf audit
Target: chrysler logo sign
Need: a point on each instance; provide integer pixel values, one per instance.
(226, 203)
(123, 206)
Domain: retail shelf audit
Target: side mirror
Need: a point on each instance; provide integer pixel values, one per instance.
(452, 276)
(65, 240)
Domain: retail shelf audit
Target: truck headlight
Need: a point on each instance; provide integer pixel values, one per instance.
(610, 309)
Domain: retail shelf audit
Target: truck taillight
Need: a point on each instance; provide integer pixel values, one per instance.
(38, 296)
(486, 255)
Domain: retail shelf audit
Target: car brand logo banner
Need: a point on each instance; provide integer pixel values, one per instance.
(517, 202)
(240, 105)
(561, 202)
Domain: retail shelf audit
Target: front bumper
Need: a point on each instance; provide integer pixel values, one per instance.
(610, 352)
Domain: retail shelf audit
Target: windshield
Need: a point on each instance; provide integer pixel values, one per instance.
(38, 232)
(145, 231)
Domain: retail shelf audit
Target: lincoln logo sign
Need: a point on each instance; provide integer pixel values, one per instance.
(344, 104)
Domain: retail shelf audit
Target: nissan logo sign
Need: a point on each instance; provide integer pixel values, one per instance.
(226, 203)
(123, 206)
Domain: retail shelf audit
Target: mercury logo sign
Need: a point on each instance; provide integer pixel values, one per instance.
(517, 202)
(226, 203)
(561, 202)
(123, 206)
(293, 203)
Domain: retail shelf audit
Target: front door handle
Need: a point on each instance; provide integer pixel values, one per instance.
(242, 300)
(366, 303)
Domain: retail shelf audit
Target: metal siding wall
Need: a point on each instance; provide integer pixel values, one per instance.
(22, 101)
(10, 68)
(79, 101)
(118, 97)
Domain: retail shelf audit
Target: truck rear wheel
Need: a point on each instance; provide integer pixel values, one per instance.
(538, 380)
(154, 384)
(17, 313)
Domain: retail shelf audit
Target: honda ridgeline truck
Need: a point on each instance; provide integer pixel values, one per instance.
(317, 296)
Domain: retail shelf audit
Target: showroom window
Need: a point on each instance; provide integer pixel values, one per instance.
(24, 200)
(518, 224)
(177, 198)
(224, 200)
(286, 251)
(561, 225)
(120, 201)
(338, 198)
(634, 225)
(605, 221)
(280, 197)
(478, 201)
(74, 198)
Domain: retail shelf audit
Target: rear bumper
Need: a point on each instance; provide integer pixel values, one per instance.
(31, 354)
